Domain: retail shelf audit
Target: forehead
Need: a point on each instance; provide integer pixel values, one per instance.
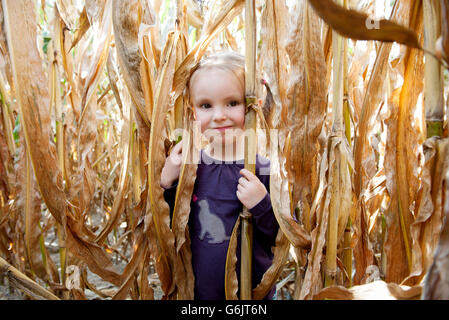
(215, 80)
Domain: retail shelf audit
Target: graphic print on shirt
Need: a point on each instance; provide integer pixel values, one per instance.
(211, 224)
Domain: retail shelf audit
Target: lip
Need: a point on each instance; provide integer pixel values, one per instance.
(222, 129)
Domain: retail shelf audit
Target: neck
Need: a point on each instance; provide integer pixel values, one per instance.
(227, 152)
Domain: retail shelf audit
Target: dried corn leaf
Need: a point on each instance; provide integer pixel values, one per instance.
(312, 279)
(94, 65)
(125, 145)
(7, 126)
(231, 281)
(183, 198)
(32, 211)
(307, 110)
(193, 14)
(126, 19)
(356, 25)
(394, 242)
(84, 25)
(408, 140)
(270, 276)
(181, 209)
(364, 162)
(67, 62)
(147, 66)
(274, 33)
(404, 147)
(436, 283)
(280, 197)
(68, 11)
(114, 80)
(139, 250)
(33, 99)
(146, 292)
(156, 158)
(443, 41)
(377, 290)
(94, 256)
(272, 29)
(95, 11)
(427, 225)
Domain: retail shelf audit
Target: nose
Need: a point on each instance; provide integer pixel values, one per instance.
(219, 114)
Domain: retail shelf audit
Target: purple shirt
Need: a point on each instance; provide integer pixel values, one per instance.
(214, 211)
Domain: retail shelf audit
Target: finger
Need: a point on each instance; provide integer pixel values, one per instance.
(243, 182)
(247, 174)
(178, 147)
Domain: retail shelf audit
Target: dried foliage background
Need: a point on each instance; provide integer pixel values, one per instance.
(92, 92)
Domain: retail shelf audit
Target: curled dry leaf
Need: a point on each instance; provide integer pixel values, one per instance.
(312, 278)
(436, 281)
(280, 198)
(429, 214)
(357, 25)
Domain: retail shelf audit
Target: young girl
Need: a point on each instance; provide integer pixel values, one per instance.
(222, 186)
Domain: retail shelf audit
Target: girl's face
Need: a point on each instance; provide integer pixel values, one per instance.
(218, 99)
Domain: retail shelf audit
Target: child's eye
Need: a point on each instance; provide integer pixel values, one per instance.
(233, 103)
(205, 106)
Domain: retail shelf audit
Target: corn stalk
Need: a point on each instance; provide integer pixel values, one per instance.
(433, 80)
(250, 145)
(334, 173)
(347, 250)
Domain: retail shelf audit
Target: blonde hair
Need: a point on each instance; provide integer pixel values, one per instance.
(225, 60)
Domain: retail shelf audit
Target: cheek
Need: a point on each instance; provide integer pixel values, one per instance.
(239, 118)
(203, 119)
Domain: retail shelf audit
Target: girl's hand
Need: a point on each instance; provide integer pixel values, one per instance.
(172, 167)
(250, 190)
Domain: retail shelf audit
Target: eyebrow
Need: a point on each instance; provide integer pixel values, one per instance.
(230, 97)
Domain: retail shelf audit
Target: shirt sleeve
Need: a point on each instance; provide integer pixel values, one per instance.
(170, 196)
(264, 218)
